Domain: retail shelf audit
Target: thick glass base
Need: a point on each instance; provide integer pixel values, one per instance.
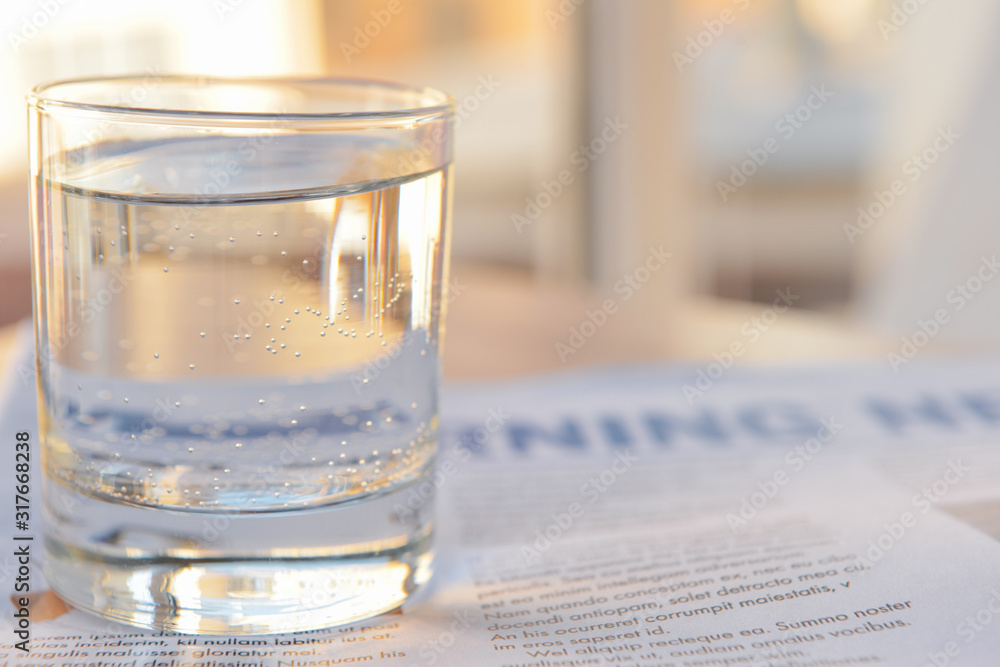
(236, 573)
(237, 597)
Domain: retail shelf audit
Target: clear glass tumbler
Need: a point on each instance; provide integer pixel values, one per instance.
(238, 325)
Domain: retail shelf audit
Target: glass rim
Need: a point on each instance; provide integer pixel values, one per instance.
(439, 103)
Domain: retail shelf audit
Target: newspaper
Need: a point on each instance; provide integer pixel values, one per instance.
(828, 516)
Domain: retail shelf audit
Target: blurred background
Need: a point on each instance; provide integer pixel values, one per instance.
(837, 156)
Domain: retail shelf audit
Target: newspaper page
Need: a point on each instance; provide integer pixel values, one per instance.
(829, 516)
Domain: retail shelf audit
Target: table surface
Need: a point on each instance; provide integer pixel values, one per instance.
(505, 323)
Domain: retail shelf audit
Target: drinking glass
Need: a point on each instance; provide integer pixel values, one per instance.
(237, 308)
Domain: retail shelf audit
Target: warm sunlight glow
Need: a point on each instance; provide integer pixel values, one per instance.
(835, 20)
